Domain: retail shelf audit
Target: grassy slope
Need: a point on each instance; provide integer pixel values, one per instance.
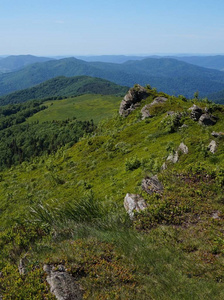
(85, 107)
(178, 255)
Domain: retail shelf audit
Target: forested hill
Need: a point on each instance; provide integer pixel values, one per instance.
(166, 74)
(63, 86)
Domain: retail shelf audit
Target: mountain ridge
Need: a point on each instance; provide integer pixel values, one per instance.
(168, 75)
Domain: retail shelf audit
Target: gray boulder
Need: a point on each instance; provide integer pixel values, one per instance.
(183, 148)
(158, 100)
(131, 99)
(173, 157)
(62, 284)
(196, 112)
(145, 110)
(207, 119)
(217, 134)
(152, 185)
(212, 147)
(134, 202)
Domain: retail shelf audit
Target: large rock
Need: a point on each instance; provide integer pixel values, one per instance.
(134, 96)
(62, 284)
(152, 185)
(145, 110)
(134, 202)
(196, 112)
(212, 147)
(207, 119)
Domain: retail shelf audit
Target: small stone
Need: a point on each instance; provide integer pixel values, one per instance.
(134, 202)
(152, 185)
(164, 166)
(62, 284)
(183, 148)
(215, 215)
(212, 147)
(217, 134)
(173, 157)
(22, 265)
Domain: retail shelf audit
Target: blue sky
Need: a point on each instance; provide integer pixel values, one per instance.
(73, 27)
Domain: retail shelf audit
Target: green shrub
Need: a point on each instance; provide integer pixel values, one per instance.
(132, 163)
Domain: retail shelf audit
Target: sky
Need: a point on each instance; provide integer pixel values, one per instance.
(114, 27)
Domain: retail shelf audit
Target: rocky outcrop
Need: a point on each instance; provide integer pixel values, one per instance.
(133, 97)
(196, 112)
(145, 110)
(152, 185)
(203, 117)
(207, 119)
(134, 202)
(62, 284)
(212, 147)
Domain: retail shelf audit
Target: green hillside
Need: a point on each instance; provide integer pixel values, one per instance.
(66, 209)
(84, 108)
(63, 86)
(166, 74)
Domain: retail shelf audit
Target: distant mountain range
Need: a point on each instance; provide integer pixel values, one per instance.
(16, 62)
(63, 86)
(166, 74)
(213, 62)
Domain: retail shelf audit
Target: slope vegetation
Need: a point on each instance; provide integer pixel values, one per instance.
(66, 210)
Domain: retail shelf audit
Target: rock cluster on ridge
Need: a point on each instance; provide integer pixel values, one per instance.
(134, 96)
(203, 117)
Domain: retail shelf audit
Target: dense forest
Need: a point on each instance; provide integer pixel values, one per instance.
(65, 87)
(20, 141)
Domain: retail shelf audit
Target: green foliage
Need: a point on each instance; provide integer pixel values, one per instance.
(132, 163)
(32, 286)
(72, 201)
